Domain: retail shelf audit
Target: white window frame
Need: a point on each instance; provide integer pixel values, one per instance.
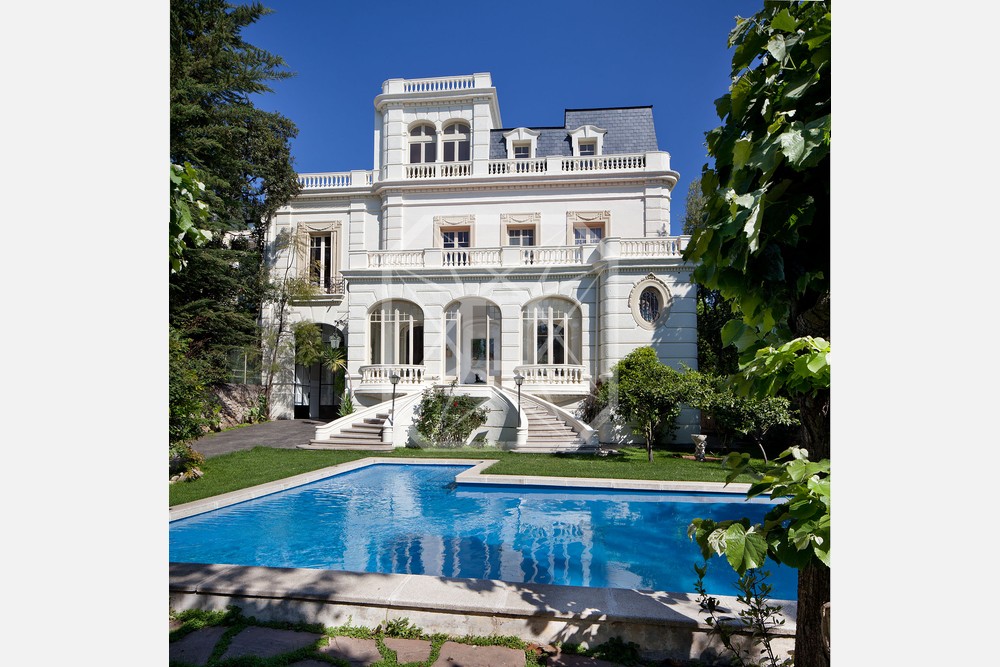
(588, 134)
(451, 137)
(520, 136)
(423, 140)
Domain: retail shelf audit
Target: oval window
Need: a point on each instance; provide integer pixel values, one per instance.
(649, 304)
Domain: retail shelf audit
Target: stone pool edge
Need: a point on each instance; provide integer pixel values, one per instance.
(473, 475)
(664, 624)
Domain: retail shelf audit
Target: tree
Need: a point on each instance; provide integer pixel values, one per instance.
(694, 207)
(645, 394)
(242, 156)
(243, 151)
(765, 242)
(713, 311)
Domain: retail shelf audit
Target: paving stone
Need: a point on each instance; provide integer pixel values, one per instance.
(196, 647)
(268, 642)
(570, 660)
(454, 654)
(409, 650)
(310, 663)
(357, 652)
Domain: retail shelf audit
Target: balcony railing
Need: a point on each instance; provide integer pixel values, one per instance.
(380, 374)
(520, 256)
(551, 374)
(547, 166)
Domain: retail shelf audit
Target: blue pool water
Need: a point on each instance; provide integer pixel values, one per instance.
(414, 519)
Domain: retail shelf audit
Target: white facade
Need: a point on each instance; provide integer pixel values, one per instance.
(473, 252)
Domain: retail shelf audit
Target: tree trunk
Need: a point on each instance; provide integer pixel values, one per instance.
(814, 592)
(814, 415)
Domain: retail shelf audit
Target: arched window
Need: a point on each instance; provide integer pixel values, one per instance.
(396, 333)
(423, 144)
(456, 143)
(552, 332)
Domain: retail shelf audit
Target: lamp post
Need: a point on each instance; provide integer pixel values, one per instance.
(394, 379)
(518, 379)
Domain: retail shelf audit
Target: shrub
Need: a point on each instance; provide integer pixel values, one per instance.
(192, 405)
(447, 420)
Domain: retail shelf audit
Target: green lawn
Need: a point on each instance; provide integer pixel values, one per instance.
(239, 470)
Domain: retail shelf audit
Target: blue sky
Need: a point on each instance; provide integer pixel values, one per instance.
(545, 56)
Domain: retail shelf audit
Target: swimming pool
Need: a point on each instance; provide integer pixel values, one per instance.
(415, 519)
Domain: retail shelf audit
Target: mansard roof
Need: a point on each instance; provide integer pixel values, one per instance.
(629, 130)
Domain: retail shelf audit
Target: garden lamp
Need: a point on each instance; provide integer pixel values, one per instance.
(518, 379)
(394, 379)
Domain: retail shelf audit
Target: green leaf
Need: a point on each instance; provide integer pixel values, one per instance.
(776, 47)
(741, 152)
(784, 21)
(792, 144)
(745, 549)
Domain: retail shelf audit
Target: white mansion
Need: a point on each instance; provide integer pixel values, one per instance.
(475, 253)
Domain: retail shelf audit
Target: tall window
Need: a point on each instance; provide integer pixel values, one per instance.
(396, 333)
(320, 261)
(552, 332)
(423, 144)
(456, 143)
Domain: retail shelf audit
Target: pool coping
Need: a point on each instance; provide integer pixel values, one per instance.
(473, 475)
(665, 624)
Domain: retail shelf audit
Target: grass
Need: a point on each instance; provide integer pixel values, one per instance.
(615, 650)
(235, 622)
(239, 470)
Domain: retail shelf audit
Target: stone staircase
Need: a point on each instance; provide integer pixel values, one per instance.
(365, 434)
(548, 433)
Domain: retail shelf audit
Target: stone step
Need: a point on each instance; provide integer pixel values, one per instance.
(355, 445)
(367, 427)
(359, 435)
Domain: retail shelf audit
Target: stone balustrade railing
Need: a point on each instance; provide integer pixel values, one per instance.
(433, 85)
(397, 258)
(381, 373)
(551, 374)
(501, 167)
(343, 179)
(520, 256)
(667, 246)
(653, 161)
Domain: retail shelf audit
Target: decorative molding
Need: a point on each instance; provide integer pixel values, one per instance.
(446, 220)
(588, 216)
(520, 218)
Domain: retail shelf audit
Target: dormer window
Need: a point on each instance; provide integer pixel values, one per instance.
(457, 143)
(423, 144)
(588, 140)
(521, 143)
